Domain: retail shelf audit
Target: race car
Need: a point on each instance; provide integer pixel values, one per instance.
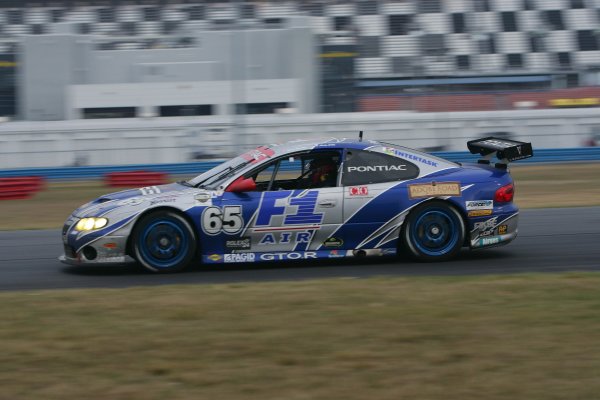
(307, 199)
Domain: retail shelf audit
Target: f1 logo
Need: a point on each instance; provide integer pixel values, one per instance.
(359, 191)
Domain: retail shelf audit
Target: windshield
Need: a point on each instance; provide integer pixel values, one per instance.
(214, 177)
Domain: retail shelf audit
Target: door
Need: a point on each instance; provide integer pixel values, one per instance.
(297, 205)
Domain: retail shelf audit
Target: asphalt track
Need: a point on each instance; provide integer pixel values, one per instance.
(550, 240)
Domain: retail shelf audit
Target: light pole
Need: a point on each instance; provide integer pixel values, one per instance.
(238, 86)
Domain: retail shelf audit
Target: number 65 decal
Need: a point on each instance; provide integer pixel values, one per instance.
(229, 220)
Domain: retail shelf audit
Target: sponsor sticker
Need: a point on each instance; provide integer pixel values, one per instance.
(487, 224)
(434, 189)
(479, 213)
(214, 257)
(333, 242)
(377, 168)
(239, 257)
(336, 254)
(202, 197)
(162, 200)
(479, 205)
(489, 241)
(358, 191)
(502, 229)
(408, 156)
(287, 256)
(238, 244)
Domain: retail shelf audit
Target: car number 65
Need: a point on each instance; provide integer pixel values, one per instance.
(229, 220)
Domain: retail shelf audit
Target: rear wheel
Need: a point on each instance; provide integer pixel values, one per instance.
(164, 241)
(433, 231)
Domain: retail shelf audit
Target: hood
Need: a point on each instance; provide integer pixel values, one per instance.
(132, 197)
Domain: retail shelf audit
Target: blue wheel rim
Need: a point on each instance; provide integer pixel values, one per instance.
(435, 231)
(164, 243)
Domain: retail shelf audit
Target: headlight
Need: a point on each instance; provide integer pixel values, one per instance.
(89, 224)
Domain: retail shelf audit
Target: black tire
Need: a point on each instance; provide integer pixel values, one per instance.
(433, 231)
(163, 241)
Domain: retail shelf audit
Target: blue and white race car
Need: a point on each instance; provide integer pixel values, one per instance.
(306, 200)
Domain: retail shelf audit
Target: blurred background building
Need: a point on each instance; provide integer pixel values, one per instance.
(311, 56)
(114, 59)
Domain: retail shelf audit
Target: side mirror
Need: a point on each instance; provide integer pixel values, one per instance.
(241, 185)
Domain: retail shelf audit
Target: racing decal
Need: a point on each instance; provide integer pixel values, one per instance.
(492, 231)
(333, 242)
(486, 228)
(287, 209)
(358, 191)
(479, 205)
(433, 189)
(294, 255)
(377, 168)
(282, 256)
(364, 167)
(286, 237)
(487, 241)
(243, 243)
(163, 200)
(150, 190)
(228, 220)
(388, 231)
(396, 152)
(215, 257)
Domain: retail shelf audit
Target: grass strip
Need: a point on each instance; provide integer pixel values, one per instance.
(528, 337)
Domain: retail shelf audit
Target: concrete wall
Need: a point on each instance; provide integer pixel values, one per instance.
(62, 73)
(168, 140)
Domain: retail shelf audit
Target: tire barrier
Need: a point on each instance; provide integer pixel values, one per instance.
(22, 187)
(135, 178)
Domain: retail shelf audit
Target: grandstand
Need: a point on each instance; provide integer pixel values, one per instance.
(421, 55)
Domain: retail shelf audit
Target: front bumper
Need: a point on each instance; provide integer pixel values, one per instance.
(104, 246)
(98, 261)
(101, 250)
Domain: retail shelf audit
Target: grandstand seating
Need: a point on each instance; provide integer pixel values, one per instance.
(393, 38)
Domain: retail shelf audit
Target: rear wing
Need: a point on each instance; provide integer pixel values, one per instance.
(504, 149)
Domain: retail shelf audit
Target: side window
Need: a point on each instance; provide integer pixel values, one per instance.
(299, 171)
(364, 167)
(288, 173)
(263, 177)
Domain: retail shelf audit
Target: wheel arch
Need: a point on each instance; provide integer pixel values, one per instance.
(189, 220)
(458, 204)
(452, 202)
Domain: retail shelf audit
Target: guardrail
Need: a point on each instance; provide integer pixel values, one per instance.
(583, 154)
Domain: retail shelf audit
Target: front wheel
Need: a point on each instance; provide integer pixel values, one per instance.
(164, 241)
(433, 231)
